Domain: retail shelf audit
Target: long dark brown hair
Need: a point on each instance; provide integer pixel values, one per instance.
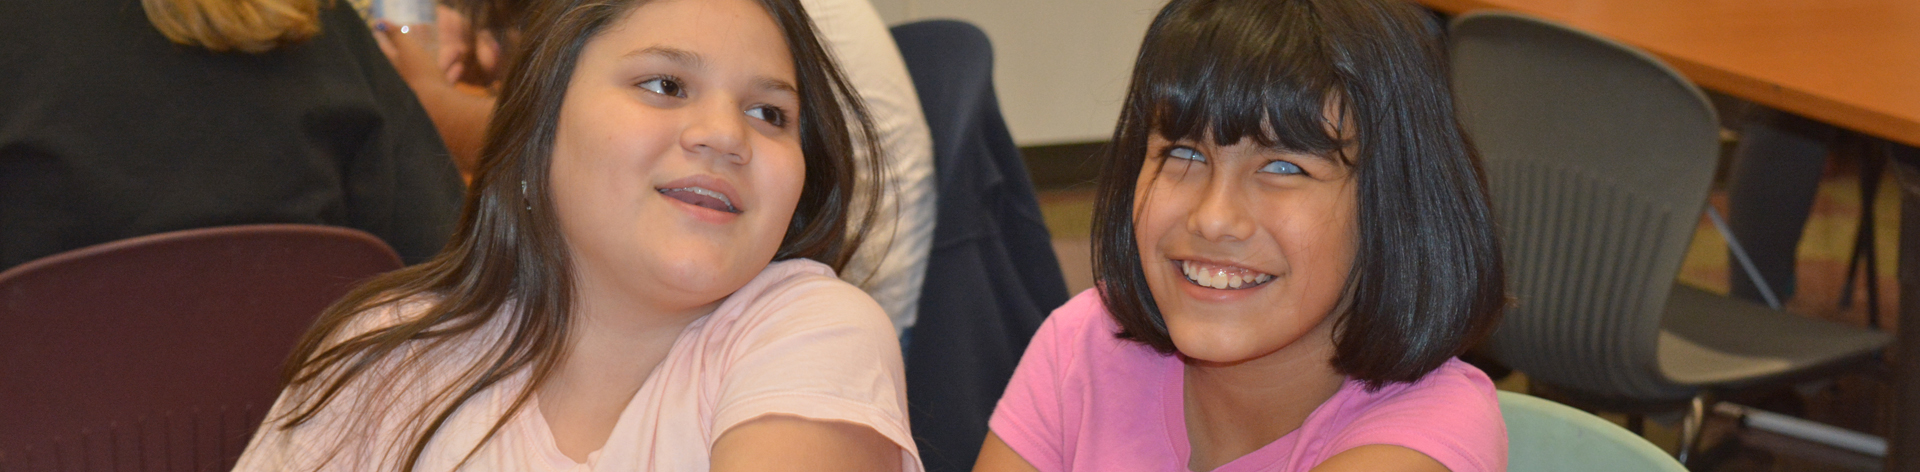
(509, 259)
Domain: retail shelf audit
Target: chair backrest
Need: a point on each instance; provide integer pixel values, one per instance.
(1600, 160)
(1546, 436)
(162, 352)
(992, 276)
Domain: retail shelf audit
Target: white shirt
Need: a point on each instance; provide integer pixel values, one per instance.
(902, 233)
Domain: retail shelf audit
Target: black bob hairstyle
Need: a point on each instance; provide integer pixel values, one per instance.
(1427, 280)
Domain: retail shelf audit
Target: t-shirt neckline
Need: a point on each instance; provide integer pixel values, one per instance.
(1173, 403)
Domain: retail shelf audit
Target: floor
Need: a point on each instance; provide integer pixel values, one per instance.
(1852, 402)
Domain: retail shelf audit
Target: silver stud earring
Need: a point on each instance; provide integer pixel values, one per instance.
(523, 195)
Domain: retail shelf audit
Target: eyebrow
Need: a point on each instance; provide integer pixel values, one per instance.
(682, 57)
(693, 60)
(773, 84)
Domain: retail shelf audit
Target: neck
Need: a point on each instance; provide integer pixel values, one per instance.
(1233, 409)
(613, 347)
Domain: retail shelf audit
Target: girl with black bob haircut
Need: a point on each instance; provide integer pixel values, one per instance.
(1292, 240)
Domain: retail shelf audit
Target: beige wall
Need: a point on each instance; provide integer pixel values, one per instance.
(1060, 65)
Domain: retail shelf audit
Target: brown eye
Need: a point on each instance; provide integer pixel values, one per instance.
(664, 86)
(770, 114)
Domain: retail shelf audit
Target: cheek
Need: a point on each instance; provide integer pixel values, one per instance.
(780, 179)
(1153, 209)
(1322, 237)
(571, 185)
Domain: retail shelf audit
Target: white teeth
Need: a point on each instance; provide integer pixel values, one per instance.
(1218, 279)
(702, 191)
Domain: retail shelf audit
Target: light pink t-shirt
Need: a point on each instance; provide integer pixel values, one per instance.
(1085, 400)
(795, 340)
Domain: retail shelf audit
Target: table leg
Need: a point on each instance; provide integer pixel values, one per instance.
(1904, 445)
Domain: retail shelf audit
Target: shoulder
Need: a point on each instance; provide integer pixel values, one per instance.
(800, 292)
(417, 362)
(796, 309)
(1451, 415)
(1083, 326)
(797, 341)
(383, 316)
(1083, 316)
(1080, 388)
(353, 423)
(1081, 336)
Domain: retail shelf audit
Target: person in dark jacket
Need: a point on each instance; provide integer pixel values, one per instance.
(120, 118)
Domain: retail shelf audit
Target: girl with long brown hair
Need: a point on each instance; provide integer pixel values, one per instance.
(642, 278)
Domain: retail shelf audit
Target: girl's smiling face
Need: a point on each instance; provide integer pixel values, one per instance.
(677, 163)
(1246, 248)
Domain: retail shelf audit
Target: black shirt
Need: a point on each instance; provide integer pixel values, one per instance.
(109, 131)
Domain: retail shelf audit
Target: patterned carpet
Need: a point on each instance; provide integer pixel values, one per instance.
(1824, 247)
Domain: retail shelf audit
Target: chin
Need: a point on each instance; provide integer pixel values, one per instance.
(695, 273)
(1217, 348)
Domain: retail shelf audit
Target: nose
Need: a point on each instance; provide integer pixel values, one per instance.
(715, 129)
(1221, 215)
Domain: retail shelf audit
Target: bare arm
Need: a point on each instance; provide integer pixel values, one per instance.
(789, 443)
(995, 456)
(1380, 457)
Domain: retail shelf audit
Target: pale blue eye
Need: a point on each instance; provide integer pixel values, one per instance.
(1281, 167)
(1186, 153)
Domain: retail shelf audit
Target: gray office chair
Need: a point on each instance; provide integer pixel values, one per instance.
(1600, 160)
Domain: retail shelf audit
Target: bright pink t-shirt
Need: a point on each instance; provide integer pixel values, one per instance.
(1085, 400)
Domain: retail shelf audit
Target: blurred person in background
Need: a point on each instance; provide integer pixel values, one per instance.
(120, 118)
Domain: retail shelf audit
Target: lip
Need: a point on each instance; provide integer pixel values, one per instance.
(709, 182)
(1192, 288)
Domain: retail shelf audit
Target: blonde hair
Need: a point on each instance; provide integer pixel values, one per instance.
(251, 26)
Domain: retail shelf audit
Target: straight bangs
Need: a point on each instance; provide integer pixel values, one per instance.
(1225, 74)
(1364, 82)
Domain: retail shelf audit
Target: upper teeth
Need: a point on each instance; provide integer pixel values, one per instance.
(1219, 278)
(703, 191)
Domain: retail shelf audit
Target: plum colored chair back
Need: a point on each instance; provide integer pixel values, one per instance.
(162, 352)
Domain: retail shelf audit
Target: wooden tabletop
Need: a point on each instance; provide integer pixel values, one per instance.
(1851, 63)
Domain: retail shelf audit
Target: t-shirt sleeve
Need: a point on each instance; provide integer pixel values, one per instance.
(1452, 415)
(1030, 417)
(818, 349)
